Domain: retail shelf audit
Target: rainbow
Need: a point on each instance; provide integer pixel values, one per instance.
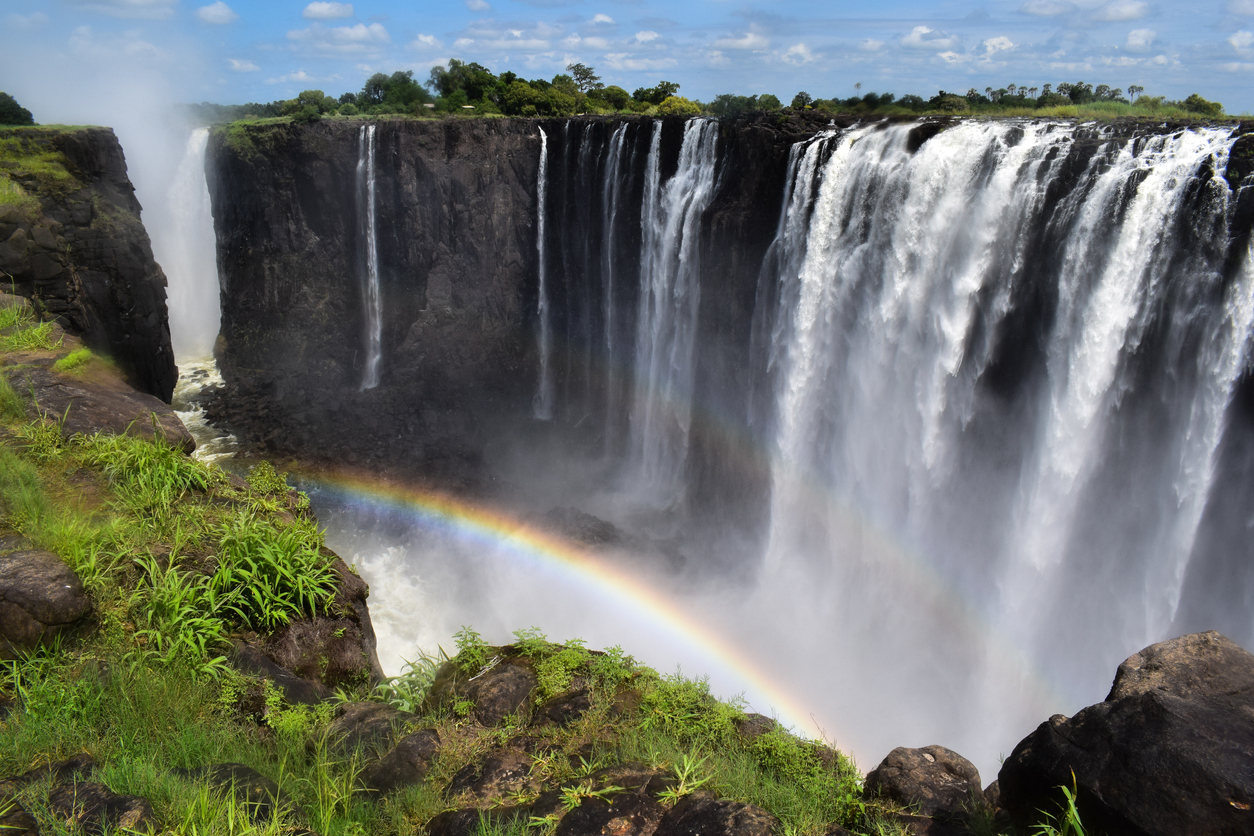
(528, 543)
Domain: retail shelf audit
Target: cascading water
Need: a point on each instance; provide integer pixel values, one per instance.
(669, 296)
(611, 197)
(370, 255)
(543, 406)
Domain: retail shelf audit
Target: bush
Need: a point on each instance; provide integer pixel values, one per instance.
(614, 96)
(679, 106)
(1196, 104)
(348, 109)
(12, 113)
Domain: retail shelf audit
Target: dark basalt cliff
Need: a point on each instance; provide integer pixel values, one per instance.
(74, 245)
(458, 272)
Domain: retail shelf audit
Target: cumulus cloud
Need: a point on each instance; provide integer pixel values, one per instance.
(998, 44)
(1122, 10)
(1047, 8)
(951, 57)
(85, 42)
(1140, 40)
(299, 75)
(870, 45)
(750, 40)
(479, 5)
(218, 13)
(143, 9)
(344, 40)
(645, 36)
(1237, 67)
(242, 65)
(1241, 41)
(602, 18)
(797, 54)
(327, 11)
(426, 42)
(924, 37)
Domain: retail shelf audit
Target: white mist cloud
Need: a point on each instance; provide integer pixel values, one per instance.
(1140, 40)
(31, 21)
(426, 42)
(998, 44)
(951, 57)
(327, 11)
(870, 45)
(602, 18)
(646, 35)
(924, 37)
(1241, 41)
(299, 75)
(1241, 7)
(627, 61)
(341, 40)
(241, 65)
(750, 40)
(1122, 10)
(217, 13)
(143, 9)
(797, 54)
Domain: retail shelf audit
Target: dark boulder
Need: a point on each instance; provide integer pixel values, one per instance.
(564, 709)
(752, 726)
(260, 797)
(1170, 750)
(366, 725)
(15, 821)
(702, 814)
(471, 821)
(40, 597)
(295, 690)
(932, 781)
(500, 691)
(501, 774)
(97, 809)
(406, 765)
(624, 814)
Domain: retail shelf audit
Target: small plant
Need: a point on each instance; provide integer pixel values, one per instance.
(264, 479)
(1067, 821)
(409, 688)
(531, 642)
(11, 405)
(73, 361)
(555, 672)
(472, 650)
(686, 771)
(573, 796)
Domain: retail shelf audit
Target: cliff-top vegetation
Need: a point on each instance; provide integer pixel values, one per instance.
(474, 90)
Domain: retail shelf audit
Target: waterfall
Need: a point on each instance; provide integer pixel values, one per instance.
(669, 296)
(187, 252)
(611, 197)
(543, 404)
(370, 257)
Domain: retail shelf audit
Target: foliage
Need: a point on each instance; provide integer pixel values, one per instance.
(585, 77)
(12, 113)
(679, 106)
(407, 690)
(150, 477)
(656, 95)
(685, 709)
(1067, 820)
(21, 331)
(73, 361)
(11, 405)
(30, 157)
(472, 650)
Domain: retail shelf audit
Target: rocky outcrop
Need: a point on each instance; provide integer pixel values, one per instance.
(937, 787)
(40, 599)
(77, 249)
(1170, 750)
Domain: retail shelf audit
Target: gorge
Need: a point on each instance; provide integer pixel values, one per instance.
(933, 422)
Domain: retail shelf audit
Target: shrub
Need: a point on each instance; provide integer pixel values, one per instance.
(348, 109)
(12, 113)
(74, 360)
(679, 106)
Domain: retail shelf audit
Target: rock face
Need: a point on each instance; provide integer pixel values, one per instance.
(40, 597)
(1170, 750)
(932, 781)
(79, 250)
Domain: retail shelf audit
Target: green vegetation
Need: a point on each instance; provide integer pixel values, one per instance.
(20, 331)
(12, 113)
(75, 360)
(30, 164)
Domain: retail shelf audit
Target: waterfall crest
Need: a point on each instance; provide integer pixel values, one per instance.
(366, 206)
(543, 407)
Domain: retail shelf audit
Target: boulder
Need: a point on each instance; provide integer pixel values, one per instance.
(1170, 750)
(752, 726)
(702, 814)
(366, 725)
(15, 821)
(500, 691)
(501, 774)
(296, 690)
(40, 598)
(932, 781)
(472, 821)
(624, 814)
(406, 765)
(564, 709)
(97, 809)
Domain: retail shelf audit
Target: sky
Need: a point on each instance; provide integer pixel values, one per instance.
(79, 60)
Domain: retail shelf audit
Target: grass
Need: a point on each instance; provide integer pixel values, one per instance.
(21, 331)
(74, 361)
(27, 154)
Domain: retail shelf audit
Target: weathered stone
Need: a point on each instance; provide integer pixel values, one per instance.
(1170, 751)
(931, 781)
(500, 691)
(406, 765)
(15, 821)
(40, 598)
(296, 690)
(625, 814)
(44, 237)
(366, 725)
(752, 726)
(702, 814)
(259, 797)
(564, 709)
(96, 809)
(500, 774)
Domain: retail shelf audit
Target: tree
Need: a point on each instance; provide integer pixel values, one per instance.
(1134, 90)
(801, 101)
(12, 113)
(679, 106)
(768, 101)
(614, 96)
(656, 95)
(1196, 104)
(585, 77)
(949, 103)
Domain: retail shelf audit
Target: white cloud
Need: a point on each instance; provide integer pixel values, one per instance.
(1161, 60)
(646, 35)
(602, 18)
(299, 75)
(596, 43)
(462, 43)
(923, 37)
(1047, 8)
(479, 5)
(218, 12)
(242, 65)
(145, 9)
(31, 21)
(998, 44)
(1241, 41)
(1237, 67)
(1121, 10)
(1141, 40)
(426, 42)
(341, 39)
(327, 11)
(1241, 7)
(870, 45)
(627, 61)
(797, 54)
(751, 40)
(950, 57)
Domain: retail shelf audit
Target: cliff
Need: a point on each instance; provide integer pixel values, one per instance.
(72, 242)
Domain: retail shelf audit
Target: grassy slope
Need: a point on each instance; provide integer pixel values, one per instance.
(161, 541)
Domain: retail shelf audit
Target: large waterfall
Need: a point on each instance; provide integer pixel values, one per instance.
(366, 209)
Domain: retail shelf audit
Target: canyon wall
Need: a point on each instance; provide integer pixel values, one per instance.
(73, 243)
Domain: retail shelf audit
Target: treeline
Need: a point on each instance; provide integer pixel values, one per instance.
(471, 88)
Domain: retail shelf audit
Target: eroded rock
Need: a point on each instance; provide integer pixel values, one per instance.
(624, 814)
(366, 725)
(931, 781)
(702, 814)
(261, 798)
(96, 809)
(502, 773)
(40, 598)
(406, 765)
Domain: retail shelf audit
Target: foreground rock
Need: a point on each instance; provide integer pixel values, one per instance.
(937, 785)
(1170, 750)
(702, 814)
(40, 599)
(97, 810)
(406, 765)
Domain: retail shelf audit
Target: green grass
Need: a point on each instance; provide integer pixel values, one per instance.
(21, 331)
(27, 154)
(74, 361)
(12, 194)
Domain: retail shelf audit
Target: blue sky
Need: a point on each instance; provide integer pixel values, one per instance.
(74, 60)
